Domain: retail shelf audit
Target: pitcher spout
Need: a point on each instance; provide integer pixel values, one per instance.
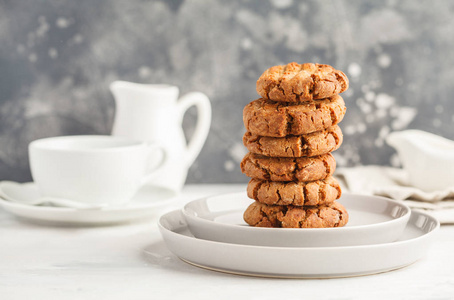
(404, 141)
(410, 141)
(427, 158)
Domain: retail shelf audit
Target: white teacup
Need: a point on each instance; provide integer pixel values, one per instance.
(92, 168)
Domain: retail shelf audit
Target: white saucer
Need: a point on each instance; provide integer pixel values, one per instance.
(292, 262)
(148, 202)
(372, 220)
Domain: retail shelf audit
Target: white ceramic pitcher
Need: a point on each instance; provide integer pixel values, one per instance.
(428, 158)
(153, 112)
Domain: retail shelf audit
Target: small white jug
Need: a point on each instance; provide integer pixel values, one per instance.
(427, 158)
(153, 113)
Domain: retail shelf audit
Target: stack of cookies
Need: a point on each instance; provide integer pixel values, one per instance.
(291, 132)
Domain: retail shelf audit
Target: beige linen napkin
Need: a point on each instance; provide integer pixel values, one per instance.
(392, 183)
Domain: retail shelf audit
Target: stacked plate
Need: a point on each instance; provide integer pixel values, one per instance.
(381, 235)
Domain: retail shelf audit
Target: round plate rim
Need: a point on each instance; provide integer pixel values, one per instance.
(22, 206)
(265, 229)
(14, 205)
(162, 227)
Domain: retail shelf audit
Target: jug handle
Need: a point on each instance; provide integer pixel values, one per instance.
(202, 103)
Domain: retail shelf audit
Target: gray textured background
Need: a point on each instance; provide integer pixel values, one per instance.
(57, 58)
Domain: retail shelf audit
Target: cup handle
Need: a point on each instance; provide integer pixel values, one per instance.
(153, 167)
(202, 103)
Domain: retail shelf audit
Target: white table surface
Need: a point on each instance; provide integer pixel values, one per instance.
(131, 261)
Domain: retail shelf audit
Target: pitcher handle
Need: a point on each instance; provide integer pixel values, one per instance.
(202, 103)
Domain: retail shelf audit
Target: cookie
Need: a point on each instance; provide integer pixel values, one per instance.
(312, 144)
(319, 192)
(277, 119)
(262, 215)
(301, 82)
(288, 169)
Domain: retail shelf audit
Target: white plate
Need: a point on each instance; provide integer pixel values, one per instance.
(148, 202)
(372, 220)
(312, 262)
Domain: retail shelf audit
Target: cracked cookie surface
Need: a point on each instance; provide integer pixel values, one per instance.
(262, 215)
(312, 144)
(277, 119)
(319, 192)
(288, 169)
(301, 82)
